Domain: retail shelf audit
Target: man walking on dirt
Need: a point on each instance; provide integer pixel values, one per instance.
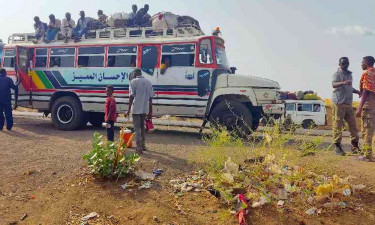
(366, 108)
(140, 105)
(110, 112)
(343, 107)
(6, 83)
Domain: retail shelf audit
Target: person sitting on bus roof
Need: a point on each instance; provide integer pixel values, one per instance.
(82, 27)
(165, 65)
(40, 29)
(132, 16)
(102, 18)
(142, 18)
(67, 26)
(52, 29)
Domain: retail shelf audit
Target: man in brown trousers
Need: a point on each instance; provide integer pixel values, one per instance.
(343, 107)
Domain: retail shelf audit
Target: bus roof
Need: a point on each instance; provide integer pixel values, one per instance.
(117, 37)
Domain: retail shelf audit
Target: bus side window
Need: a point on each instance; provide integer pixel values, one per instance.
(149, 59)
(91, 57)
(62, 57)
(205, 52)
(41, 58)
(125, 56)
(178, 55)
(9, 58)
(305, 107)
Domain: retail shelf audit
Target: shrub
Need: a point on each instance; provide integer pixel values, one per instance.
(108, 159)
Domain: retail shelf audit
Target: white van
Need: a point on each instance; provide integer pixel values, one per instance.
(307, 113)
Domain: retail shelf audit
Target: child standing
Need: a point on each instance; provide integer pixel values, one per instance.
(110, 111)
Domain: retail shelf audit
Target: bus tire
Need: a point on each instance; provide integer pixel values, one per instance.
(232, 115)
(67, 113)
(307, 124)
(96, 119)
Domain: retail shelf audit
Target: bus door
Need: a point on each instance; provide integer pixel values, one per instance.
(23, 97)
(149, 66)
(177, 80)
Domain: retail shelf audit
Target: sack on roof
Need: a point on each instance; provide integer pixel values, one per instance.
(164, 20)
(188, 21)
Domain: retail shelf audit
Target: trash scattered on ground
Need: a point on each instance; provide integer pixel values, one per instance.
(157, 172)
(262, 201)
(311, 211)
(24, 216)
(280, 203)
(196, 182)
(213, 191)
(124, 186)
(90, 216)
(241, 208)
(335, 205)
(145, 185)
(358, 187)
(347, 192)
(155, 218)
(144, 175)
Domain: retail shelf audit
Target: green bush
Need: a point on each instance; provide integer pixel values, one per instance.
(108, 159)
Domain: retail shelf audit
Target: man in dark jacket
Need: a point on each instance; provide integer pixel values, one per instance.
(6, 83)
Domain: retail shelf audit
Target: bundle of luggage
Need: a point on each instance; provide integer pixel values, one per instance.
(299, 95)
(158, 21)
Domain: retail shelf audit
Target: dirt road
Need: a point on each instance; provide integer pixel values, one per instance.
(43, 176)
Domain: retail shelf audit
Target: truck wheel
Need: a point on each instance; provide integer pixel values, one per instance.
(96, 119)
(234, 116)
(307, 124)
(67, 113)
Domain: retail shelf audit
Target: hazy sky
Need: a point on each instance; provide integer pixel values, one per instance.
(295, 42)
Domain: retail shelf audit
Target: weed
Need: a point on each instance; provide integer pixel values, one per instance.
(108, 159)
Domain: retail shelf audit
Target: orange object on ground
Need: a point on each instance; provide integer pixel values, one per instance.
(128, 136)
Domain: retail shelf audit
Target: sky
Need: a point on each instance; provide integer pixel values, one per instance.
(295, 42)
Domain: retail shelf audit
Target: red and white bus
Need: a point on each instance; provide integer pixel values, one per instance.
(69, 80)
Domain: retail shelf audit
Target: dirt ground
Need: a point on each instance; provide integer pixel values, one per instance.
(42, 175)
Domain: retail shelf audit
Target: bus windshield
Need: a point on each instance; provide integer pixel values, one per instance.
(221, 55)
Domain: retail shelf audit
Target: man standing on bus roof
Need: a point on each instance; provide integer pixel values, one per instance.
(67, 26)
(53, 28)
(343, 107)
(6, 83)
(132, 16)
(366, 108)
(40, 29)
(110, 112)
(140, 105)
(82, 26)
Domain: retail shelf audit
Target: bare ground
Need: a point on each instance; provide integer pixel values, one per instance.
(42, 174)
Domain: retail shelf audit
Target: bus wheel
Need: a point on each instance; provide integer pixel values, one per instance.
(96, 119)
(232, 115)
(67, 113)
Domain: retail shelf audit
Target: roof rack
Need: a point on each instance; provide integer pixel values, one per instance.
(111, 33)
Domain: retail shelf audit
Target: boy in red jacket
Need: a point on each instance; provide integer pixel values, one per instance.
(110, 111)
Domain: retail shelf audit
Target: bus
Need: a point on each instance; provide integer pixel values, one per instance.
(68, 80)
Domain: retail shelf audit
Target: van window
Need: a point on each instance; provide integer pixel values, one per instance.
(149, 59)
(205, 52)
(91, 57)
(305, 107)
(316, 108)
(290, 107)
(62, 57)
(9, 58)
(125, 56)
(41, 58)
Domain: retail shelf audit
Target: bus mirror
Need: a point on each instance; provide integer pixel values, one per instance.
(233, 70)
